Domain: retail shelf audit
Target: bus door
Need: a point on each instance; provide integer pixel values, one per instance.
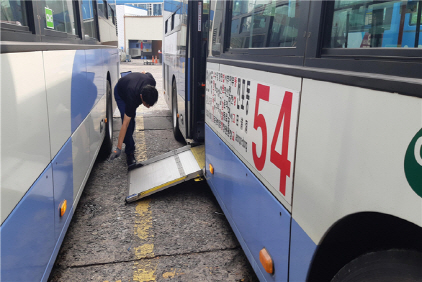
(198, 35)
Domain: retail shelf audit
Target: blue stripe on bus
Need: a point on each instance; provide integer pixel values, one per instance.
(58, 245)
(257, 218)
(87, 85)
(302, 249)
(30, 227)
(63, 184)
(35, 225)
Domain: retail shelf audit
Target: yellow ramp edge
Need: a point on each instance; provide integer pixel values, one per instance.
(199, 154)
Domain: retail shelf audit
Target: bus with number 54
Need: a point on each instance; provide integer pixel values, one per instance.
(311, 116)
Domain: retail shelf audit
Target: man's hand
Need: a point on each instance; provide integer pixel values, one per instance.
(115, 154)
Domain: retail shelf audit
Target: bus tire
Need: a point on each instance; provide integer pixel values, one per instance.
(176, 130)
(107, 145)
(383, 266)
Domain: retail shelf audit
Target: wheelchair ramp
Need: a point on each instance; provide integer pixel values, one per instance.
(164, 171)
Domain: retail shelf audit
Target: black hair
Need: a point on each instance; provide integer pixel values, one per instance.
(149, 95)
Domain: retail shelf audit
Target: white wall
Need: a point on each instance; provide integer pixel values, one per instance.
(121, 11)
(144, 28)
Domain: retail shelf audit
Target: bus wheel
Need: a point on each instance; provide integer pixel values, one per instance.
(176, 131)
(383, 266)
(107, 145)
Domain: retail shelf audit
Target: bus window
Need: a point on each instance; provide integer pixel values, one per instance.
(64, 18)
(257, 24)
(101, 8)
(370, 24)
(13, 12)
(172, 21)
(109, 12)
(88, 19)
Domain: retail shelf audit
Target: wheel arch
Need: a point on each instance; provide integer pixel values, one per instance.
(358, 234)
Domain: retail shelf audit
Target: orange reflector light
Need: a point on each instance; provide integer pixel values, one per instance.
(178, 115)
(211, 169)
(266, 261)
(63, 207)
(105, 120)
(203, 84)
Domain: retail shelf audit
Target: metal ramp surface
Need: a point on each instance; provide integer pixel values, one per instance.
(164, 171)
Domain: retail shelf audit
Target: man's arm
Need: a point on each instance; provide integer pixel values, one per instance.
(116, 153)
(123, 130)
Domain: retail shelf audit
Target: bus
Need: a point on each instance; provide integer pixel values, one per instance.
(59, 64)
(184, 55)
(313, 130)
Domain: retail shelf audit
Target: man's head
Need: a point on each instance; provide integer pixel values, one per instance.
(149, 96)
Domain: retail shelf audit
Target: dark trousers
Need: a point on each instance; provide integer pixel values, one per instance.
(129, 142)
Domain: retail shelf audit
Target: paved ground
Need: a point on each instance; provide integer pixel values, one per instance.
(179, 234)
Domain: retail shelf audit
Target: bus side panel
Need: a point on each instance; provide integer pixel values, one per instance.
(351, 152)
(257, 218)
(27, 235)
(183, 94)
(25, 144)
(96, 64)
(58, 67)
(63, 185)
(81, 101)
(302, 250)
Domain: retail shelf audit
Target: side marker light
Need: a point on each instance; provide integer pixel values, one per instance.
(266, 261)
(63, 207)
(105, 120)
(211, 169)
(178, 115)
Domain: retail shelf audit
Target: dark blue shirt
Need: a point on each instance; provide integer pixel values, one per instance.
(130, 87)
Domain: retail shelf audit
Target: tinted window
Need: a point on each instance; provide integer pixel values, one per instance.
(258, 24)
(63, 16)
(172, 21)
(101, 8)
(88, 19)
(13, 12)
(373, 24)
(157, 10)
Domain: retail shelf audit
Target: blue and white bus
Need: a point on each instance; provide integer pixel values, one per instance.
(184, 57)
(313, 130)
(59, 64)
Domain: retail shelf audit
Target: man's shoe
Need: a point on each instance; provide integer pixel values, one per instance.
(130, 160)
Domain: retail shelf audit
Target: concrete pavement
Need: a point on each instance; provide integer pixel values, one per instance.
(179, 234)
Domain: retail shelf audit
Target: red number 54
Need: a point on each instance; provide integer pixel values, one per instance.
(279, 160)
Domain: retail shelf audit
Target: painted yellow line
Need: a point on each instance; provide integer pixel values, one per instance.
(143, 269)
(143, 221)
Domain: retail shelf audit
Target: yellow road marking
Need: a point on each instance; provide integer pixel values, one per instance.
(169, 274)
(144, 269)
(144, 251)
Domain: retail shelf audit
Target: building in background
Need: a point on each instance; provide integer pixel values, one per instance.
(140, 27)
